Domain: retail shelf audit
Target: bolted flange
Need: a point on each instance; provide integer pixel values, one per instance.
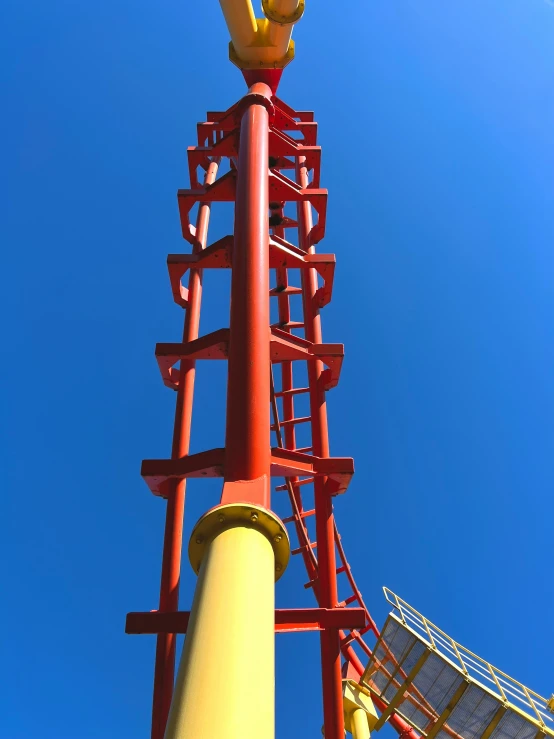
(231, 515)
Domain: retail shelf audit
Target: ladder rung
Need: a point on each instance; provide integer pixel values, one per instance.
(290, 422)
(295, 421)
(349, 638)
(341, 569)
(304, 449)
(349, 600)
(296, 484)
(303, 514)
(304, 548)
(310, 583)
(292, 391)
(288, 290)
(299, 483)
(288, 325)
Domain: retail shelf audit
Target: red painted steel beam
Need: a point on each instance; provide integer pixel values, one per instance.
(247, 438)
(286, 620)
(327, 578)
(337, 471)
(164, 670)
(283, 346)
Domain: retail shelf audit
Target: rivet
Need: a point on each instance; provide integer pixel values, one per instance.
(221, 518)
(278, 566)
(254, 516)
(199, 539)
(277, 538)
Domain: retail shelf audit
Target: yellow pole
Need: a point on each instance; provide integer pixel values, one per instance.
(226, 683)
(358, 724)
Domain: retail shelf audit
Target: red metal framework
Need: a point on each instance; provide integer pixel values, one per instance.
(262, 138)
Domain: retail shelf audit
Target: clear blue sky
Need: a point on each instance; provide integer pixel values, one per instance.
(437, 120)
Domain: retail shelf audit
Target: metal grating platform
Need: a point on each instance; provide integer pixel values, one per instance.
(445, 691)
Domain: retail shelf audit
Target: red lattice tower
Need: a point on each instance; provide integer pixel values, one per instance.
(261, 137)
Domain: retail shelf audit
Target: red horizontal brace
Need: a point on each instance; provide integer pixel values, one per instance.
(283, 347)
(282, 146)
(157, 472)
(199, 156)
(281, 119)
(286, 619)
(282, 189)
(301, 115)
(215, 256)
(284, 463)
(222, 190)
(211, 346)
(285, 119)
(281, 254)
(338, 470)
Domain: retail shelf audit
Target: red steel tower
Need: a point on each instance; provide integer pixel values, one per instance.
(416, 677)
(240, 547)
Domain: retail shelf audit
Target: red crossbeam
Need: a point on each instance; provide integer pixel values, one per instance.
(337, 471)
(286, 620)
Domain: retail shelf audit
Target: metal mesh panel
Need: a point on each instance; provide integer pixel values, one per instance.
(514, 726)
(472, 714)
(407, 665)
(437, 682)
(528, 704)
(413, 713)
(430, 690)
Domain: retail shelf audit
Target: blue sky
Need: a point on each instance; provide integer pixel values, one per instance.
(436, 120)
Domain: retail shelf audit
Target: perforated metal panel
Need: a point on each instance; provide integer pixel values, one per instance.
(439, 696)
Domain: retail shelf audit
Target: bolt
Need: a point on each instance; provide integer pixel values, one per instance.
(199, 539)
(221, 518)
(254, 516)
(278, 566)
(277, 538)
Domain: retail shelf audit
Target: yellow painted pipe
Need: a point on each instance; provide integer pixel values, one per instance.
(262, 42)
(226, 683)
(241, 22)
(358, 724)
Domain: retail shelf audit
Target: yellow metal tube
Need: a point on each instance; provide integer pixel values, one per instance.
(241, 22)
(225, 684)
(265, 42)
(358, 724)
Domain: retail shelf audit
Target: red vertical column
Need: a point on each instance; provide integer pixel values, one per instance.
(171, 563)
(247, 442)
(327, 578)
